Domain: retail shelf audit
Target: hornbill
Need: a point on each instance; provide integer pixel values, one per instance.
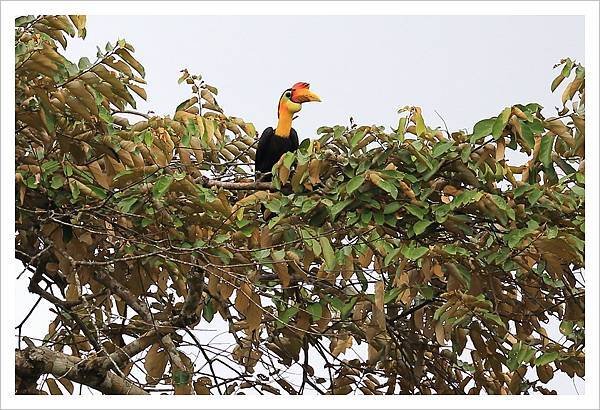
(274, 143)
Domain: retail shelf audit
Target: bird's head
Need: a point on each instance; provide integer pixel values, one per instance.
(291, 100)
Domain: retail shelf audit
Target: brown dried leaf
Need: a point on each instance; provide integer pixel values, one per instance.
(314, 170)
(255, 312)
(53, 387)
(339, 345)
(378, 307)
(545, 373)
(67, 384)
(155, 363)
(439, 333)
(242, 299)
(126, 55)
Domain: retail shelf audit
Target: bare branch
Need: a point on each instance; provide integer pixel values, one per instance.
(31, 363)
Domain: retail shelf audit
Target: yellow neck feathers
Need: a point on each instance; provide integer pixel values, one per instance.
(287, 108)
(284, 124)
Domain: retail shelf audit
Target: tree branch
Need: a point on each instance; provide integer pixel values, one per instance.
(193, 302)
(33, 362)
(124, 354)
(235, 186)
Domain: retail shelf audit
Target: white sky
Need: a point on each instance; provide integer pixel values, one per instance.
(465, 67)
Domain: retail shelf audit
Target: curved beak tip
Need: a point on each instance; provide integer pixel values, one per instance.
(306, 95)
(313, 97)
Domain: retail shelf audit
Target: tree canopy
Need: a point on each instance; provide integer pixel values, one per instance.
(415, 260)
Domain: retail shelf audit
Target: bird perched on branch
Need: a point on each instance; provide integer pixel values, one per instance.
(274, 143)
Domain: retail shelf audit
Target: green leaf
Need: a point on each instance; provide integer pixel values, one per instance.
(546, 358)
(261, 255)
(74, 190)
(180, 377)
(521, 190)
(355, 183)
(527, 134)
(287, 315)
(500, 123)
(482, 129)
(391, 207)
(401, 128)
(519, 353)
(427, 292)
(366, 216)
(441, 148)
(346, 308)
(356, 138)
(247, 230)
(339, 207)
(178, 176)
(420, 226)
(414, 253)
(84, 63)
(494, 318)
(288, 159)
(328, 253)
(338, 131)
(391, 256)
(391, 295)
(499, 201)
(419, 124)
(308, 205)
(24, 20)
(185, 140)
(315, 310)
(465, 153)
(526, 354)
(49, 167)
(336, 303)
(416, 210)
(161, 186)
(105, 115)
(224, 254)
(99, 192)
(57, 182)
(148, 138)
(49, 118)
(30, 182)
(455, 249)
(388, 187)
(208, 312)
(545, 155)
(566, 70)
(512, 362)
(534, 107)
(534, 195)
(514, 237)
(566, 327)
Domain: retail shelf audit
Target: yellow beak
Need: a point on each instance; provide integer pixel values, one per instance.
(304, 95)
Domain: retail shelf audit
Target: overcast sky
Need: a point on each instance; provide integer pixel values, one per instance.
(466, 68)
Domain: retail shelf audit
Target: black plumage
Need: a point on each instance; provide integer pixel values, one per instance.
(270, 148)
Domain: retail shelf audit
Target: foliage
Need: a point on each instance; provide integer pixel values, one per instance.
(452, 267)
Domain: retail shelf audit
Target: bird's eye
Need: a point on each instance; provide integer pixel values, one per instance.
(288, 94)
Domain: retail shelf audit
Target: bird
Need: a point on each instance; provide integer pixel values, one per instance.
(274, 143)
